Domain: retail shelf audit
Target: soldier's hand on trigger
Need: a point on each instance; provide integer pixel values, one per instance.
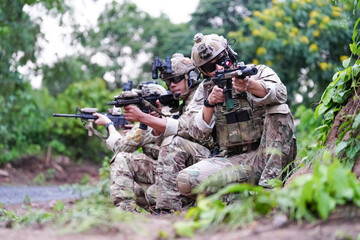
(159, 107)
(133, 113)
(102, 119)
(216, 95)
(240, 85)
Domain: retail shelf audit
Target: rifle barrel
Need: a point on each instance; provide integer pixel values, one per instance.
(88, 116)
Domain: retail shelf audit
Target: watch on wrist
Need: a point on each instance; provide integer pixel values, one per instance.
(207, 104)
(107, 125)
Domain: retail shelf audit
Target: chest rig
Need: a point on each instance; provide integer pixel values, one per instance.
(240, 129)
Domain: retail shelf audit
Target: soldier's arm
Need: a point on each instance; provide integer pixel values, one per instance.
(134, 114)
(275, 90)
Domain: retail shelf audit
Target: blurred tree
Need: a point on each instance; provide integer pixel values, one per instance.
(69, 136)
(67, 70)
(126, 36)
(222, 16)
(20, 120)
(302, 40)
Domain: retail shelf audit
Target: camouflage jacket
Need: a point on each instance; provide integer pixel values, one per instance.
(273, 102)
(183, 126)
(133, 140)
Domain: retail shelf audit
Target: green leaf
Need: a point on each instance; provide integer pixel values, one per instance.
(59, 206)
(344, 125)
(327, 96)
(355, 70)
(340, 147)
(320, 109)
(185, 229)
(324, 204)
(356, 121)
(338, 180)
(353, 150)
(346, 63)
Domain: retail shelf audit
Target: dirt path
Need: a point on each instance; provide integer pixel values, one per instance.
(17, 194)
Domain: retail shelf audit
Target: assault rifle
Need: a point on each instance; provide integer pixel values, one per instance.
(145, 101)
(86, 114)
(223, 79)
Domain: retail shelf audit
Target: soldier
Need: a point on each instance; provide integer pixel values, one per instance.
(255, 139)
(179, 148)
(129, 175)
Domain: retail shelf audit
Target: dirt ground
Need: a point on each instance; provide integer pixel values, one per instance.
(345, 224)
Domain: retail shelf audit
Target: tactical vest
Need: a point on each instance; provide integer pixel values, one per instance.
(240, 129)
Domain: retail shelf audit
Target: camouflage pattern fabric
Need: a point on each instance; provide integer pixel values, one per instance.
(131, 173)
(178, 150)
(132, 141)
(176, 153)
(277, 149)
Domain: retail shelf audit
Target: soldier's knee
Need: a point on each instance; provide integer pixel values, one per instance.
(183, 183)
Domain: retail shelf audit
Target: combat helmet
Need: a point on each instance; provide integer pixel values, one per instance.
(182, 66)
(207, 47)
(154, 88)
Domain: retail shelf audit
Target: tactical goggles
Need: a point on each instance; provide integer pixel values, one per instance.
(221, 60)
(175, 79)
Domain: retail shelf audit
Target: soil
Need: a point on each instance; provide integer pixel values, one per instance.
(345, 224)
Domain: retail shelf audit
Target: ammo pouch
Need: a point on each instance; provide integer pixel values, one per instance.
(239, 128)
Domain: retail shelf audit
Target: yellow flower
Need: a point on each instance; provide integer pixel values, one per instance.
(313, 47)
(247, 19)
(260, 51)
(323, 66)
(269, 63)
(278, 24)
(311, 22)
(257, 13)
(326, 19)
(275, 2)
(266, 11)
(336, 9)
(336, 13)
(255, 32)
(280, 13)
(304, 39)
(320, 3)
(314, 14)
(294, 32)
(255, 61)
(343, 57)
(316, 33)
(308, 1)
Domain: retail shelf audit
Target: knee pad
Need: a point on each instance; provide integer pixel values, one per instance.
(183, 183)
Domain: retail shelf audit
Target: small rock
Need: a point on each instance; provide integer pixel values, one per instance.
(279, 220)
(3, 173)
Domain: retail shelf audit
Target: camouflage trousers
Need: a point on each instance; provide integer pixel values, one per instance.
(276, 150)
(176, 153)
(130, 175)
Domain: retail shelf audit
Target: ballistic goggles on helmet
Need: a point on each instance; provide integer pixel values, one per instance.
(174, 79)
(221, 60)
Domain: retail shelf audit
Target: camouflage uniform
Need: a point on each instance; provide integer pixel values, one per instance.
(256, 162)
(178, 150)
(131, 173)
